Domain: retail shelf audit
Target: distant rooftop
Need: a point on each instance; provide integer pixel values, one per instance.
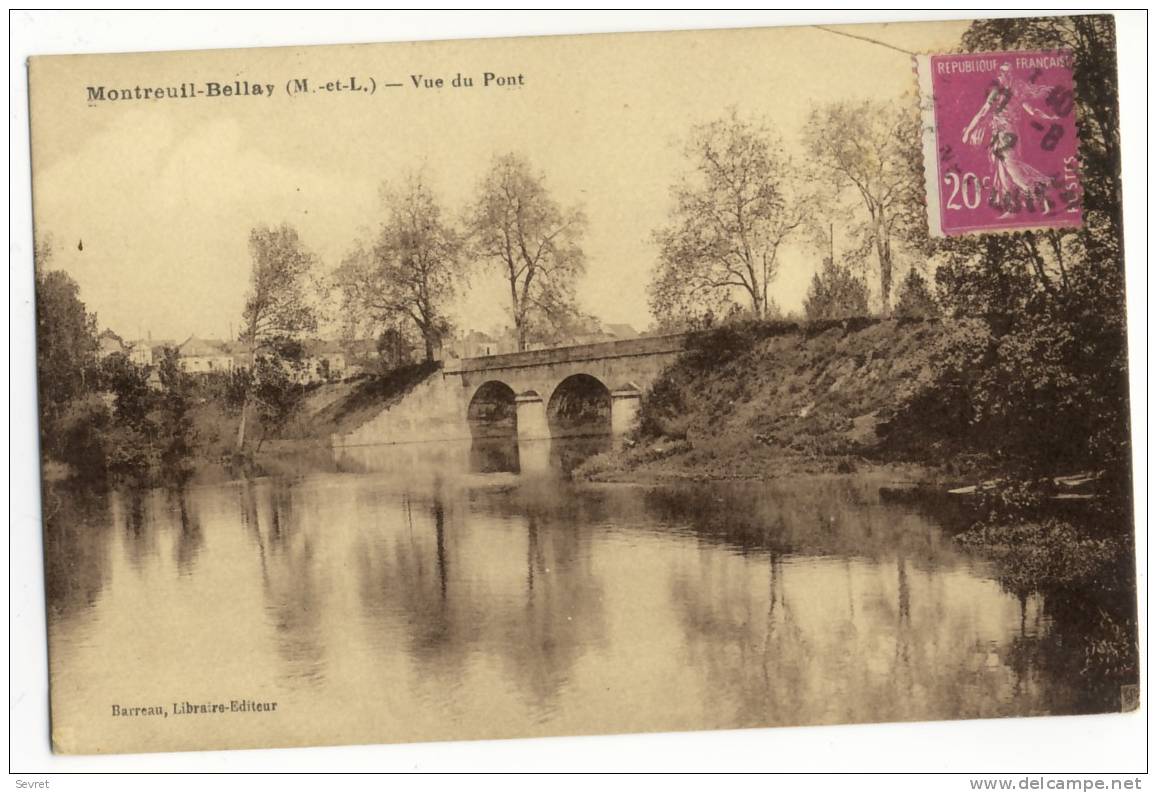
(193, 346)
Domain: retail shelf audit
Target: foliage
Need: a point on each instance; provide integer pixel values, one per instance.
(870, 150)
(278, 309)
(515, 225)
(394, 349)
(412, 271)
(915, 299)
(176, 436)
(731, 214)
(1042, 380)
(78, 436)
(835, 293)
(1046, 553)
(130, 385)
(278, 305)
(275, 391)
(76, 388)
(66, 343)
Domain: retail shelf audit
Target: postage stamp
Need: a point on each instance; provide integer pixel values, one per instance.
(1000, 141)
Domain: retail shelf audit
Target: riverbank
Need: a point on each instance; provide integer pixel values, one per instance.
(668, 462)
(177, 434)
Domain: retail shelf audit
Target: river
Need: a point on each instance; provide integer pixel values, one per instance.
(400, 593)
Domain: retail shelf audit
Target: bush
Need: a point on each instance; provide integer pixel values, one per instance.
(1037, 392)
(79, 437)
(128, 452)
(1040, 554)
(727, 342)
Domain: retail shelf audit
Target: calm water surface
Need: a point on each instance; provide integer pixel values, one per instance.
(421, 592)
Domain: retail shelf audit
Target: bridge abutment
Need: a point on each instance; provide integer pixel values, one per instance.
(624, 409)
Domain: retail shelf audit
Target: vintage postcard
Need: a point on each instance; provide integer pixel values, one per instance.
(583, 384)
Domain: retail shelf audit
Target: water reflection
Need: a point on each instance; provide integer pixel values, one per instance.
(190, 539)
(77, 527)
(290, 584)
(432, 592)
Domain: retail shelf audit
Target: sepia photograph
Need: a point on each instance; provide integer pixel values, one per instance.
(583, 385)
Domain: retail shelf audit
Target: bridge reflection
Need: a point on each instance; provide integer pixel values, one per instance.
(480, 455)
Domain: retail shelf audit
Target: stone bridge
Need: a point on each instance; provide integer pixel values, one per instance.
(563, 390)
(588, 389)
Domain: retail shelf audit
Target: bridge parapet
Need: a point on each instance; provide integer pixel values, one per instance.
(599, 351)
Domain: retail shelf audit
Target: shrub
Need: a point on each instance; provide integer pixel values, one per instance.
(1046, 553)
(80, 435)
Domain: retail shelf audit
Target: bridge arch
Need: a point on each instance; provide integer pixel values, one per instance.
(579, 405)
(492, 411)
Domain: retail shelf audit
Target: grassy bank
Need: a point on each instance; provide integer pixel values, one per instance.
(758, 400)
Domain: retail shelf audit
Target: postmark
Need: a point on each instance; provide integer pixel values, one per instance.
(999, 141)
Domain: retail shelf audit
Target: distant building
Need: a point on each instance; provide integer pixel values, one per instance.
(507, 342)
(320, 361)
(108, 343)
(323, 361)
(140, 352)
(202, 356)
(475, 344)
(241, 353)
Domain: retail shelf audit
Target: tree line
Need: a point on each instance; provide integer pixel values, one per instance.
(742, 199)
(100, 415)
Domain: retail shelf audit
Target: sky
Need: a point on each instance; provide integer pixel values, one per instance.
(149, 203)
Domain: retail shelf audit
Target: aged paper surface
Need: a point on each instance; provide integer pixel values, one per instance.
(586, 384)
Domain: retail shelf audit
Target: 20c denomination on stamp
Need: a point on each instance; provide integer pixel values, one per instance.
(1000, 142)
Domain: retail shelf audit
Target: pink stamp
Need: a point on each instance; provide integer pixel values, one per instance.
(1000, 142)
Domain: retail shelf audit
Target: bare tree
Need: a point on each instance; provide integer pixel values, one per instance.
(278, 308)
(517, 226)
(866, 149)
(732, 213)
(411, 272)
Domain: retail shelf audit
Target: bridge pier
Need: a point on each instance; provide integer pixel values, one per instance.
(530, 411)
(624, 407)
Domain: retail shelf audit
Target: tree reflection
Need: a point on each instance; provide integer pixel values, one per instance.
(527, 601)
(139, 529)
(562, 617)
(289, 580)
(77, 537)
(870, 643)
(190, 538)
